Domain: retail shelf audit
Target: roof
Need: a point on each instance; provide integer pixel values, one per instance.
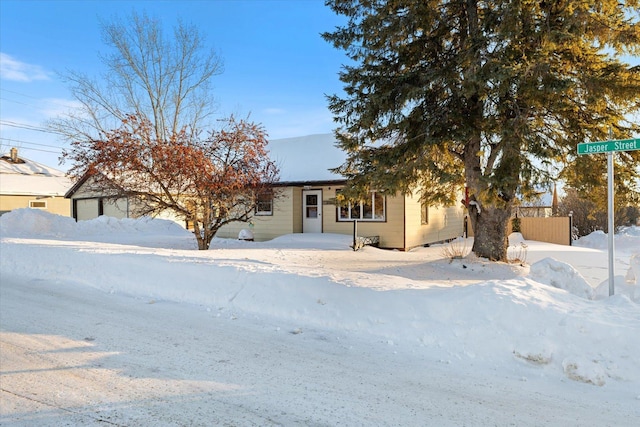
(26, 177)
(303, 160)
(307, 158)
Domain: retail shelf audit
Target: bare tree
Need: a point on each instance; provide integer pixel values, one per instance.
(165, 79)
(588, 216)
(207, 182)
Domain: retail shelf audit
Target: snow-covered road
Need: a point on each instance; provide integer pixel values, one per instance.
(73, 355)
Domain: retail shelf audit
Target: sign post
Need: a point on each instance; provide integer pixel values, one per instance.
(610, 217)
(609, 147)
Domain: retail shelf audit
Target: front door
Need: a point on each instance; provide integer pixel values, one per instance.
(312, 211)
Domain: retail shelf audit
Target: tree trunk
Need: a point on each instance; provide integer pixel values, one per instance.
(203, 245)
(490, 232)
(201, 236)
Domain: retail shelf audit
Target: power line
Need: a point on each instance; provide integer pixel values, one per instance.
(39, 149)
(28, 127)
(29, 142)
(18, 93)
(16, 102)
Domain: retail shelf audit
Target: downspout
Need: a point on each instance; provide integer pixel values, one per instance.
(404, 222)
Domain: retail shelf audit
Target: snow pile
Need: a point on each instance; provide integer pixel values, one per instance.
(595, 240)
(625, 238)
(561, 275)
(144, 231)
(516, 239)
(35, 223)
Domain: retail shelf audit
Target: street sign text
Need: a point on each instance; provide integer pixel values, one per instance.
(609, 146)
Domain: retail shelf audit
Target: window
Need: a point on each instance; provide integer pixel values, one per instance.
(37, 204)
(264, 204)
(424, 213)
(311, 206)
(371, 209)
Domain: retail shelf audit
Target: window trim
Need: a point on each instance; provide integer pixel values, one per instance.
(424, 213)
(33, 202)
(259, 212)
(361, 209)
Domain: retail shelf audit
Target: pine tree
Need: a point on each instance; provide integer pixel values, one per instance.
(491, 95)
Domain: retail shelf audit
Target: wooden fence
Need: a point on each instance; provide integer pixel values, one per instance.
(556, 229)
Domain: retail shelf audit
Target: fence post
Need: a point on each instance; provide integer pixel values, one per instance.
(571, 228)
(355, 234)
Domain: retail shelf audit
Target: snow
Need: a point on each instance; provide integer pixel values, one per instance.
(307, 158)
(301, 330)
(31, 178)
(26, 167)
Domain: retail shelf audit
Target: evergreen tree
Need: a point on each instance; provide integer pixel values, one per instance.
(487, 94)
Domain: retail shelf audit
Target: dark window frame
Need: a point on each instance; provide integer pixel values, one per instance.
(365, 211)
(261, 205)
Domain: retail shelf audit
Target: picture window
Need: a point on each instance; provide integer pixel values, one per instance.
(371, 209)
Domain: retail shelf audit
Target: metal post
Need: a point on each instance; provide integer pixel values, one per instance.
(355, 234)
(610, 208)
(570, 228)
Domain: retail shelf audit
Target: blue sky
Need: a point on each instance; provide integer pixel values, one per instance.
(277, 68)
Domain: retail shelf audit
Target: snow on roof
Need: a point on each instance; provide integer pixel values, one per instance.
(300, 159)
(307, 158)
(26, 177)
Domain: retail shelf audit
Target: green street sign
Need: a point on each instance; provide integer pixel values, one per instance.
(609, 146)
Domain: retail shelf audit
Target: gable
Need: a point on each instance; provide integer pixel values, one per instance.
(307, 158)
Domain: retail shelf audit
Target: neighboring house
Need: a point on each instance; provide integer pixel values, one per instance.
(28, 184)
(541, 211)
(532, 212)
(303, 202)
(88, 203)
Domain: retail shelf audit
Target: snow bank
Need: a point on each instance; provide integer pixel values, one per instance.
(562, 276)
(34, 222)
(595, 240)
(144, 231)
(625, 239)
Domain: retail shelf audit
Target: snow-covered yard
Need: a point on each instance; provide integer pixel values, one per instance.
(109, 322)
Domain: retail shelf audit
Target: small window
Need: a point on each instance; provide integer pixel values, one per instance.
(371, 209)
(424, 214)
(37, 204)
(311, 204)
(264, 204)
